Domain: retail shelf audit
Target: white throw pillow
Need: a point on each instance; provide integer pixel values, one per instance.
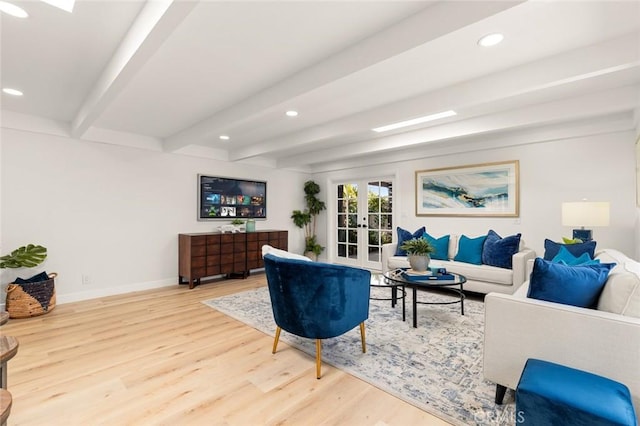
(621, 294)
(267, 249)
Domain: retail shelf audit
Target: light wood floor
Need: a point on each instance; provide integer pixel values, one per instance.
(161, 357)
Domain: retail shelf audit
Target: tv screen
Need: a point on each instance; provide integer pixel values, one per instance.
(228, 198)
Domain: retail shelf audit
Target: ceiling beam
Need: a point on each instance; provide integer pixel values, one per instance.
(612, 60)
(622, 99)
(155, 22)
(430, 23)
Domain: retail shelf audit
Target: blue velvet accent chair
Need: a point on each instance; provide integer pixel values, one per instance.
(552, 394)
(317, 300)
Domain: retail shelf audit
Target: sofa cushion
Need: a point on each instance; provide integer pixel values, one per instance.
(267, 249)
(441, 246)
(552, 248)
(498, 251)
(470, 249)
(484, 273)
(565, 257)
(571, 285)
(404, 235)
(621, 293)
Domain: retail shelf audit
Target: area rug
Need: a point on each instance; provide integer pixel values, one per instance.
(437, 367)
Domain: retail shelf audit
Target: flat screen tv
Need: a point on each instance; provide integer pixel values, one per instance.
(229, 198)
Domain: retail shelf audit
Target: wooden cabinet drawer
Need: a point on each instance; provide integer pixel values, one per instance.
(198, 251)
(197, 262)
(199, 241)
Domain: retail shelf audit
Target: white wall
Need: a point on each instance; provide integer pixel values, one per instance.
(114, 213)
(598, 167)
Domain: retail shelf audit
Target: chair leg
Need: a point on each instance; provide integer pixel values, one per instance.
(362, 337)
(275, 341)
(318, 357)
(500, 391)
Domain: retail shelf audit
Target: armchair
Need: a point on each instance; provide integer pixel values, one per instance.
(317, 300)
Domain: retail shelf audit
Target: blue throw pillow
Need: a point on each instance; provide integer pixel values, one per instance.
(440, 244)
(470, 250)
(565, 257)
(571, 285)
(404, 235)
(552, 248)
(498, 251)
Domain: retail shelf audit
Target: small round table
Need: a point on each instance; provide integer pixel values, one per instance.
(454, 285)
(380, 281)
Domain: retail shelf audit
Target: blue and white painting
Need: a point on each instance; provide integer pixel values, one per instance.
(473, 190)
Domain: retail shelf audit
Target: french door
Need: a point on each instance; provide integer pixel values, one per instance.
(364, 216)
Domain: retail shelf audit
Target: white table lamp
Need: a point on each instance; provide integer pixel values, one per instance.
(585, 213)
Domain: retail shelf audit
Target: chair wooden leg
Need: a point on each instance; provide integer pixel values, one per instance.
(275, 341)
(318, 357)
(364, 340)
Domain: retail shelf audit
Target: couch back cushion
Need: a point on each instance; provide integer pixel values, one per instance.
(571, 285)
(470, 249)
(551, 248)
(441, 246)
(498, 251)
(404, 235)
(621, 293)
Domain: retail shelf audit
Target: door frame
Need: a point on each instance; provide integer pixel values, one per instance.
(332, 208)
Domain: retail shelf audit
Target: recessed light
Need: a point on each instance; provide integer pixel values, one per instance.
(12, 92)
(13, 10)
(292, 113)
(224, 137)
(413, 121)
(491, 40)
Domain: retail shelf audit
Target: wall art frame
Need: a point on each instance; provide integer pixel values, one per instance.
(483, 190)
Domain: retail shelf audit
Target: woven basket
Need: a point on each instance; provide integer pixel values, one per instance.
(31, 299)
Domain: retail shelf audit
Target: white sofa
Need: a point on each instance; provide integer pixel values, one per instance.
(480, 278)
(605, 341)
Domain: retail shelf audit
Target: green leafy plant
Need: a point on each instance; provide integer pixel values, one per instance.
(307, 219)
(237, 222)
(24, 257)
(418, 246)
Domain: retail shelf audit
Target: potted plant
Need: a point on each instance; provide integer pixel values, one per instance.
(22, 293)
(418, 251)
(24, 257)
(306, 219)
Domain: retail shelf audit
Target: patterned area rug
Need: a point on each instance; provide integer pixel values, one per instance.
(436, 367)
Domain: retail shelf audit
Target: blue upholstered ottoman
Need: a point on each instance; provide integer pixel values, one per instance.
(552, 394)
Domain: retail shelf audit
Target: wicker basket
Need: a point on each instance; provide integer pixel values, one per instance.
(31, 299)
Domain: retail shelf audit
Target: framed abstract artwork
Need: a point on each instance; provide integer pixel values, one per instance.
(489, 189)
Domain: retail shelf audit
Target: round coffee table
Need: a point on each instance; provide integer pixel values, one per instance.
(380, 281)
(454, 285)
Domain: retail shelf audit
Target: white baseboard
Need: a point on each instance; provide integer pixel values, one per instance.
(112, 291)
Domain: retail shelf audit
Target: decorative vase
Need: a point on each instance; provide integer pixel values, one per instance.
(419, 262)
(311, 255)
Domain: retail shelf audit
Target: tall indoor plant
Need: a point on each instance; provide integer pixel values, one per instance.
(306, 219)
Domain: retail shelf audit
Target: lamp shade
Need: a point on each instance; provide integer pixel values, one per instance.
(585, 213)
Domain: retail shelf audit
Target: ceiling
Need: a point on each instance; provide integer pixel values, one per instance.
(174, 76)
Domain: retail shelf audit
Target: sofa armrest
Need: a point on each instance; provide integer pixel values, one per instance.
(388, 250)
(519, 265)
(518, 328)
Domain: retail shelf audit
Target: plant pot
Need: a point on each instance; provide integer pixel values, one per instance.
(419, 262)
(311, 255)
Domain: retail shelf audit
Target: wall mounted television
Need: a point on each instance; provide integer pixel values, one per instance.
(229, 198)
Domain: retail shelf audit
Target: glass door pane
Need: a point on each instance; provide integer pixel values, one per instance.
(364, 221)
(347, 221)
